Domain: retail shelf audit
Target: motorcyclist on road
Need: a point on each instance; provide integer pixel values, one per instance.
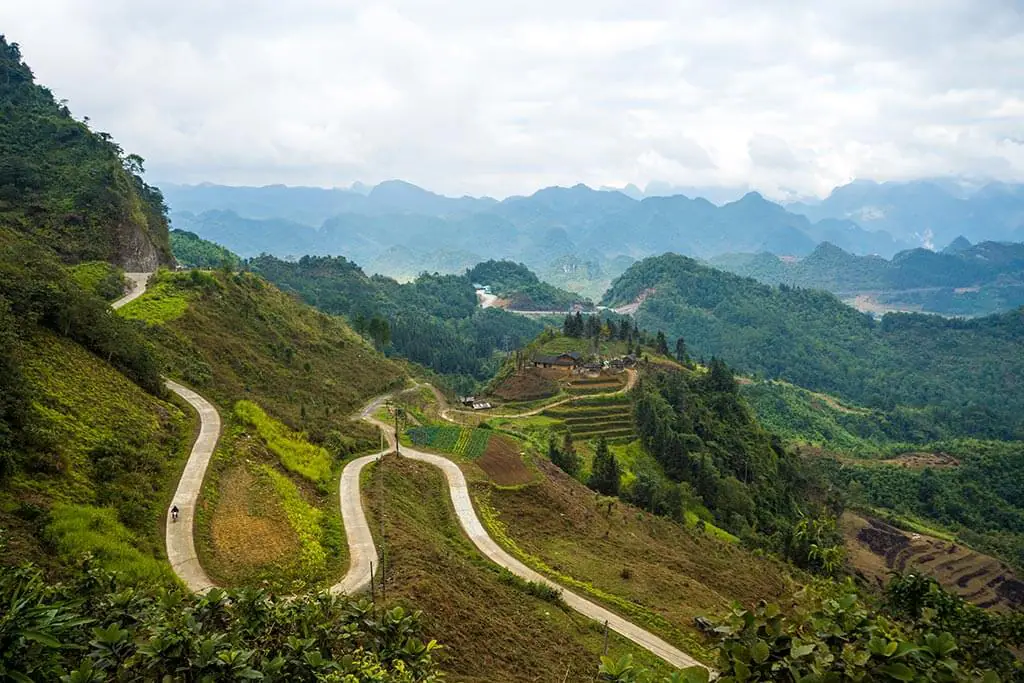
(174, 513)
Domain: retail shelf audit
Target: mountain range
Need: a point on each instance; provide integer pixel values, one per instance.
(399, 229)
(962, 279)
(926, 212)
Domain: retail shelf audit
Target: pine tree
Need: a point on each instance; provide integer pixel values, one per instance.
(681, 355)
(661, 344)
(567, 445)
(604, 474)
(565, 460)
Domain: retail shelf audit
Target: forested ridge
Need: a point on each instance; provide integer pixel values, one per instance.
(950, 367)
(523, 290)
(72, 189)
(434, 320)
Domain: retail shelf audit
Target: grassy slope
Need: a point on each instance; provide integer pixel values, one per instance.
(651, 569)
(269, 510)
(241, 338)
(492, 630)
(84, 405)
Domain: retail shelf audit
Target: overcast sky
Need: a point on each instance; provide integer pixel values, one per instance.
(474, 96)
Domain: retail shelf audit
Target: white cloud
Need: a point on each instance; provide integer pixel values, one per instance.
(503, 98)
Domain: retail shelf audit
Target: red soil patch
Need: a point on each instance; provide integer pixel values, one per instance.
(503, 464)
(527, 385)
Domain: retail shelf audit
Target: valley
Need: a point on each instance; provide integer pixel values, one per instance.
(382, 434)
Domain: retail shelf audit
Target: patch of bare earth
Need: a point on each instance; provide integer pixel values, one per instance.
(248, 529)
(503, 464)
(921, 460)
(875, 548)
(527, 385)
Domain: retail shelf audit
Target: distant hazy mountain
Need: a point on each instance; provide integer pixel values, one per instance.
(314, 205)
(962, 279)
(399, 229)
(926, 212)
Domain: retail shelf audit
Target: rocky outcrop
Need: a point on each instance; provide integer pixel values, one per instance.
(136, 251)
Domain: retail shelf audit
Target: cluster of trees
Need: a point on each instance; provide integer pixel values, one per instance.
(702, 433)
(565, 457)
(433, 320)
(949, 367)
(605, 475)
(192, 251)
(522, 288)
(71, 188)
(95, 628)
(579, 326)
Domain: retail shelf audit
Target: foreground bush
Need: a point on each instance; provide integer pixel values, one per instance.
(96, 629)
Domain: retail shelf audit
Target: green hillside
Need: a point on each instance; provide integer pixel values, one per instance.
(434, 321)
(191, 251)
(521, 288)
(70, 188)
(967, 280)
(951, 368)
(234, 336)
(89, 446)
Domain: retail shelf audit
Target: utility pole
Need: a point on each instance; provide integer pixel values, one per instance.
(398, 410)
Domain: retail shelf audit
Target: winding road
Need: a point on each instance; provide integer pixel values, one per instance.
(182, 555)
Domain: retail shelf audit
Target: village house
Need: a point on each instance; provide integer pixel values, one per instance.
(569, 359)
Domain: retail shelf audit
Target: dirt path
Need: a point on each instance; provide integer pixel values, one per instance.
(446, 412)
(136, 288)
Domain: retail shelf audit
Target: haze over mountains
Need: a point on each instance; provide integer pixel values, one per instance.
(962, 279)
(399, 229)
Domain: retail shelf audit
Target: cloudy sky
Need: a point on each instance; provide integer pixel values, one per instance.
(504, 97)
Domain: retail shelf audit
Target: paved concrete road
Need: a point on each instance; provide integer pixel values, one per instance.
(136, 287)
(471, 524)
(181, 549)
(182, 553)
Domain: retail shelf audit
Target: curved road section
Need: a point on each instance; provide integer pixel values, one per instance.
(137, 285)
(181, 551)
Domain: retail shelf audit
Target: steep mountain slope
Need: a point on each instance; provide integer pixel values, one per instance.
(810, 338)
(68, 187)
(235, 336)
(89, 444)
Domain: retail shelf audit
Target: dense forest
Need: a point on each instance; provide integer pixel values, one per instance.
(949, 367)
(434, 320)
(523, 290)
(191, 251)
(71, 188)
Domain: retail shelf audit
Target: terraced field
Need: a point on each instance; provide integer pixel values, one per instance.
(588, 419)
(588, 386)
(876, 548)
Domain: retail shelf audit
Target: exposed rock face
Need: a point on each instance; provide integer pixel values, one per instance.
(136, 251)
